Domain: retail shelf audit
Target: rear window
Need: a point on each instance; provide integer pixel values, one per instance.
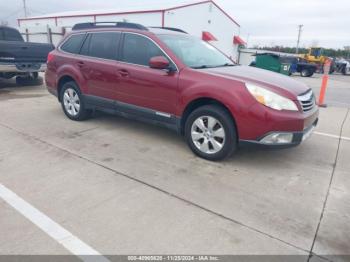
(101, 45)
(11, 35)
(73, 44)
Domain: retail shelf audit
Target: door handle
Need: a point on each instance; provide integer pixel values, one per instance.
(123, 72)
(80, 63)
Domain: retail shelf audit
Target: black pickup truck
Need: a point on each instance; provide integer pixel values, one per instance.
(20, 58)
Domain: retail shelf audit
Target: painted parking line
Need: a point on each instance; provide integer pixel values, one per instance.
(50, 227)
(333, 136)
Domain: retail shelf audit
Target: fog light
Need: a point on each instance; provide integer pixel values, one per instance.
(278, 138)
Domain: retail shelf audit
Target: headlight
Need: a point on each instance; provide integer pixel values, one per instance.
(271, 99)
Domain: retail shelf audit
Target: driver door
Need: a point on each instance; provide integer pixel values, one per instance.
(141, 85)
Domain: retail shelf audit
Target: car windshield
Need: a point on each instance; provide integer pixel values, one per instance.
(194, 52)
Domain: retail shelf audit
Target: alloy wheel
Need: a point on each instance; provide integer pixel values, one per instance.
(71, 101)
(208, 134)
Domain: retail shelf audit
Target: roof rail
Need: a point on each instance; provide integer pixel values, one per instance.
(82, 26)
(170, 28)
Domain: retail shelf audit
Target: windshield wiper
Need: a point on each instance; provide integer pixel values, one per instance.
(201, 66)
(211, 66)
(226, 64)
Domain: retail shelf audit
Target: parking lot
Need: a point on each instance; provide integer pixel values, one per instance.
(125, 187)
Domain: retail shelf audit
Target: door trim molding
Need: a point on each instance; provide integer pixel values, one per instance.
(132, 111)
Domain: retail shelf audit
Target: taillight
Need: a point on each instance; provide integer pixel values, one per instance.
(50, 57)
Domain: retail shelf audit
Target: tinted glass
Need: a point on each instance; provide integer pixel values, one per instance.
(139, 50)
(73, 44)
(85, 48)
(104, 45)
(194, 52)
(12, 35)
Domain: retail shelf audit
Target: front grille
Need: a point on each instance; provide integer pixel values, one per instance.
(307, 100)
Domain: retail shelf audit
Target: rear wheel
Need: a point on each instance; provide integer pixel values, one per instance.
(345, 70)
(34, 75)
(211, 133)
(73, 102)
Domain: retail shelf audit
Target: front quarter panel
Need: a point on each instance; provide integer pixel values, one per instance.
(194, 84)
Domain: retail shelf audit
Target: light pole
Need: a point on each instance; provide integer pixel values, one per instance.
(299, 34)
(25, 8)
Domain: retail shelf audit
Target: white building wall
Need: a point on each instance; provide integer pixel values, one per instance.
(146, 19)
(206, 17)
(41, 34)
(38, 22)
(70, 21)
(193, 19)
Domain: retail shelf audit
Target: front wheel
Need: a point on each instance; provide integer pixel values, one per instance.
(73, 102)
(210, 133)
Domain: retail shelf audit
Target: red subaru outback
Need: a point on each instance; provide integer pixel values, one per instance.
(177, 80)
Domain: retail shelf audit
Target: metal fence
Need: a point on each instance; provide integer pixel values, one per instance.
(43, 34)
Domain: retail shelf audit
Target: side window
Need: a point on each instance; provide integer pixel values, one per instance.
(12, 35)
(73, 44)
(103, 45)
(1, 34)
(139, 50)
(85, 48)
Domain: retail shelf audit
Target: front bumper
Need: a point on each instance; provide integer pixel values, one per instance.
(296, 137)
(22, 67)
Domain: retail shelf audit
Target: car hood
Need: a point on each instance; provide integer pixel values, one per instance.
(275, 81)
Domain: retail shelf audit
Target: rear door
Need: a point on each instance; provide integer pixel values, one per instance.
(141, 85)
(97, 62)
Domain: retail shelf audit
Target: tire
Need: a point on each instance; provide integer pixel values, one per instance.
(347, 70)
(202, 140)
(72, 102)
(34, 75)
(305, 73)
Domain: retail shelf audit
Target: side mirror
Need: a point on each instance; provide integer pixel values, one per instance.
(159, 62)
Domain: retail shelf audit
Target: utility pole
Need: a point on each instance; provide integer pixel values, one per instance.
(299, 34)
(25, 9)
